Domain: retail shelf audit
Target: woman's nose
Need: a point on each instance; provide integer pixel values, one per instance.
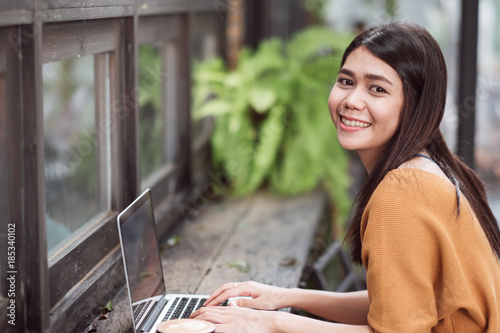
(355, 100)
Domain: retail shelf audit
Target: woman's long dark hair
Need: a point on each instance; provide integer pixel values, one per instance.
(412, 52)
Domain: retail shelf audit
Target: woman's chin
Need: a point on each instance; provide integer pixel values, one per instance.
(348, 145)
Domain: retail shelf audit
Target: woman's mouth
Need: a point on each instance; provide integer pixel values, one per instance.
(354, 123)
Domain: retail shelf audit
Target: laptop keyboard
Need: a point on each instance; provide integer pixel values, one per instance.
(140, 309)
(182, 307)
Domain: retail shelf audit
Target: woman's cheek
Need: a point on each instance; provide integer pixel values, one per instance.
(332, 106)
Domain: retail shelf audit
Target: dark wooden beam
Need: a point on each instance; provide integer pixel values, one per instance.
(34, 225)
(11, 202)
(467, 81)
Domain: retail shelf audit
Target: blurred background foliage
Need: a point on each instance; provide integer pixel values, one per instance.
(272, 124)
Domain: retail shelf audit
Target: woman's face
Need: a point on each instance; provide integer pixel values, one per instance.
(365, 103)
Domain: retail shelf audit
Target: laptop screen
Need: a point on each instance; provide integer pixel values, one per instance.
(140, 249)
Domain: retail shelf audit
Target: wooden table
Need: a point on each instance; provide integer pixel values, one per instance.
(261, 237)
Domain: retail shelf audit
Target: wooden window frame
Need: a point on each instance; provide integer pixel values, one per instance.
(10, 151)
(62, 41)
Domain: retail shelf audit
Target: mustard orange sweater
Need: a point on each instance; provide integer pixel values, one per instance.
(427, 269)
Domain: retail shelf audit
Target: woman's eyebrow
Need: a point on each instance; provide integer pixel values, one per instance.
(377, 77)
(367, 76)
(346, 72)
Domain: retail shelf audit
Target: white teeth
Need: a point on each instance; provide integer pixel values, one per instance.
(354, 123)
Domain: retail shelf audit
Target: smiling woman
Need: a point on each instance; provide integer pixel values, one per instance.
(365, 104)
(421, 224)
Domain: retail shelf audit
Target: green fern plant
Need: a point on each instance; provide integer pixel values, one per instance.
(272, 125)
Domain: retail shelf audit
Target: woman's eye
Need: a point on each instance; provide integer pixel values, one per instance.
(346, 82)
(379, 90)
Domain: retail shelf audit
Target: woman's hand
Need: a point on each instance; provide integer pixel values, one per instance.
(236, 319)
(244, 319)
(263, 297)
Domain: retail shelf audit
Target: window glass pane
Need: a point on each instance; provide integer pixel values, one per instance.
(488, 101)
(71, 148)
(151, 117)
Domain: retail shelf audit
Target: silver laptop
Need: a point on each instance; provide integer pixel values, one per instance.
(143, 270)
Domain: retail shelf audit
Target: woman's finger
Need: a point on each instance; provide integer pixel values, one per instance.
(232, 319)
(211, 314)
(219, 291)
(234, 290)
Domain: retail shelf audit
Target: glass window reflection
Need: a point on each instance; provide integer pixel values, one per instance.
(71, 148)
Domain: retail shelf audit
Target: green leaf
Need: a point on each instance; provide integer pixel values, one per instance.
(213, 107)
(233, 80)
(262, 99)
(270, 137)
(107, 308)
(317, 42)
(242, 266)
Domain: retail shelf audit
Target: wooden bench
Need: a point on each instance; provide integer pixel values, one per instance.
(261, 237)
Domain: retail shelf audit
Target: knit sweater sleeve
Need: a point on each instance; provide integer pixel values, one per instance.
(401, 241)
